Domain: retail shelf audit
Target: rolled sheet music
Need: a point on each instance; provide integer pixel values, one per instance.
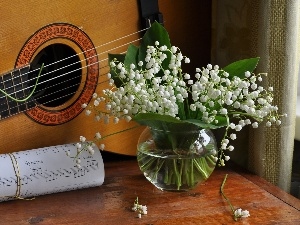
(47, 170)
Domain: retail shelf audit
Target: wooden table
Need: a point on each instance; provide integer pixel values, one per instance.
(111, 203)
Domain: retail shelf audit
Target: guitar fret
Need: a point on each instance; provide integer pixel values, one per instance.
(9, 89)
(3, 102)
(18, 94)
(30, 103)
(24, 90)
(20, 89)
(15, 84)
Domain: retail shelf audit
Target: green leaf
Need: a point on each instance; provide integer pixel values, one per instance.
(222, 121)
(201, 124)
(163, 121)
(114, 76)
(155, 33)
(131, 56)
(239, 68)
(148, 118)
(119, 57)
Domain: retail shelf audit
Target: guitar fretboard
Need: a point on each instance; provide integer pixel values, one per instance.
(15, 84)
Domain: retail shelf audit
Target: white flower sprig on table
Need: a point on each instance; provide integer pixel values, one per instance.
(237, 213)
(140, 209)
(149, 85)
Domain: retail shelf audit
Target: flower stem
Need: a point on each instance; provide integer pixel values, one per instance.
(121, 131)
(192, 180)
(225, 197)
(178, 177)
(200, 168)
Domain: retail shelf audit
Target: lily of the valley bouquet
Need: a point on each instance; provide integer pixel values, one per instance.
(149, 86)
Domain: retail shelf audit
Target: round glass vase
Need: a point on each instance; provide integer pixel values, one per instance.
(177, 157)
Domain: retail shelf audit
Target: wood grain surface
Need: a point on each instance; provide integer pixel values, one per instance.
(111, 203)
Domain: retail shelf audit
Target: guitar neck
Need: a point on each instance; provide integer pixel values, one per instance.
(14, 84)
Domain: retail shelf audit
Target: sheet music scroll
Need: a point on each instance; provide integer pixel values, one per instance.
(47, 170)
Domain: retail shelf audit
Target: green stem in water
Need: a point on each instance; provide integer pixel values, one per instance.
(177, 174)
(148, 163)
(158, 166)
(170, 176)
(199, 168)
(181, 172)
(31, 93)
(210, 160)
(192, 180)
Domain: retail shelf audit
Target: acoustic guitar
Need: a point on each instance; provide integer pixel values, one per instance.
(72, 39)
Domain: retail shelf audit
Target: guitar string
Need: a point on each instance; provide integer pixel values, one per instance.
(99, 46)
(18, 105)
(53, 71)
(73, 77)
(95, 48)
(15, 87)
(61, 90)
(64, 67)
(34, 100)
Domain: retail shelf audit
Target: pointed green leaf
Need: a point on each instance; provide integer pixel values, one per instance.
(222, 121)
(201, 124)
(148, 118)
(119, 57)
(131, 56)
(161, 121)
(155, 33)
(239, 68)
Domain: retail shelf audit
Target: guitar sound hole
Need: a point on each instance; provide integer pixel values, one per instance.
(60, 77)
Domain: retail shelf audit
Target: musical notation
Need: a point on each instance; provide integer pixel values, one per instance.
(48, 170)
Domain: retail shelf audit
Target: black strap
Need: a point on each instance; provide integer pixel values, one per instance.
(150, 13)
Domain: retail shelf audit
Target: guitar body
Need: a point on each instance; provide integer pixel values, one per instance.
(33, 31)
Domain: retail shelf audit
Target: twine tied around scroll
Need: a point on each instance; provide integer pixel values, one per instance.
(18, 176)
